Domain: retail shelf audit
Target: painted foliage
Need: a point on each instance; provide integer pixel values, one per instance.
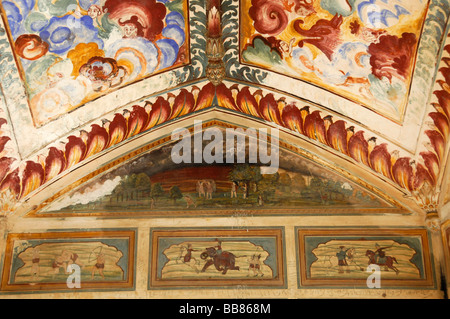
(217, 258)
(339, 257)
(364, 50)
(46, 261)
(73, 51)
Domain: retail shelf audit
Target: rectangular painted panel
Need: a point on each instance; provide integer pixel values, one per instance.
(217, 258)
(341, 257)
(102, 259)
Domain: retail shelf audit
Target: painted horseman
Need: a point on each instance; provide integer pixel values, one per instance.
(380, 254)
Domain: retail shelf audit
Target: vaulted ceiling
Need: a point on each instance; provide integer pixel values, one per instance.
(363, 92)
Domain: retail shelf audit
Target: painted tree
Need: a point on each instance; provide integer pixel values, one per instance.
(268, 185)
(245, 174)
(118, 192)
(317, 188)
(157, 191)
(142, 184)
(175, 193)
(129, 186)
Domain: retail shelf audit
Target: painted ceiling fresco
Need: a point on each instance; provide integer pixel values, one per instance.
(73, 51)
(65, 143)
(91, 91)
(362, 50)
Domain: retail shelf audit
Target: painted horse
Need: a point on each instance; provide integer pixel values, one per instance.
(387, 261)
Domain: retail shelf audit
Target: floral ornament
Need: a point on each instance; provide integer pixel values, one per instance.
(214, 17)
(104, 73)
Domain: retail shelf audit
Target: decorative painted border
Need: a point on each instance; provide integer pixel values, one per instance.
(198, 24)
(127, 284)
(280, 281)
(234, 69)
(360, 233)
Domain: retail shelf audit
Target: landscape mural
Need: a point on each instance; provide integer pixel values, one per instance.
(153, 184)
(73, 51)
(102, 259)
(207, 257)
(331, 257)
(363, 50)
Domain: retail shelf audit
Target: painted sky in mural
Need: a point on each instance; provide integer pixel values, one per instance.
(73, 51)
(363, 50)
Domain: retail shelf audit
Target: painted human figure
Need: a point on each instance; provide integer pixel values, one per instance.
(260, 200)
(74, 259)
(99, 266)
(244, 187)
(380, 254)
(94, 12)
(255, 265)
(132, 28)
(342, 259)
(218, 247)
(58, 262)
(233, 190)
(189, 259)
(351, 257)
(152, 203)
(201, 188)
(64, 260)
(209, 190)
